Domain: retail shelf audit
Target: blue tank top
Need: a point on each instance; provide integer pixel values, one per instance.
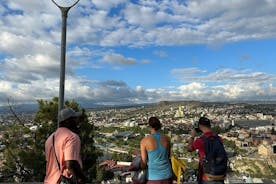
(159, 166)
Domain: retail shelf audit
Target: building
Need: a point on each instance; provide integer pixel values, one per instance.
(265, 149)
(179, 113)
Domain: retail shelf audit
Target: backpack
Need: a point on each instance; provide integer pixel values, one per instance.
(215, 160)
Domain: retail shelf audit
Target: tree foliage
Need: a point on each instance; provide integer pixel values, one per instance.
(24, 155)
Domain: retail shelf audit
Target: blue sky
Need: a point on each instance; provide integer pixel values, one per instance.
(124, 52)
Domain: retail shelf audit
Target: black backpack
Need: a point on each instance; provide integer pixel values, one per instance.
(215, 160)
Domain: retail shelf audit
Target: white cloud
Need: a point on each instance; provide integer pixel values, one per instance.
(222, 76)
(27, 5)
(183, 23)
(118, 92)
(30, 46)
(113, 58)
(19, 46)
(132, 11)
(30, 68)
(160, 53)
(174, 22)
(107, 4)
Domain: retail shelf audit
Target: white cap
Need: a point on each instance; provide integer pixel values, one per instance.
(68, 113)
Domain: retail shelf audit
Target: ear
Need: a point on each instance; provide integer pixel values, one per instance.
(200, 126)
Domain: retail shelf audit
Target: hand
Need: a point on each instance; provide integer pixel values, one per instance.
(81, 180)
(193, 133)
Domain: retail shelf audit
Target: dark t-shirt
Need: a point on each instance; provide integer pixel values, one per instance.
(199, 145)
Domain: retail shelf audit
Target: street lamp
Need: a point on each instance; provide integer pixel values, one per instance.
(64, 6)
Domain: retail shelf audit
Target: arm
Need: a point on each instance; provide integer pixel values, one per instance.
(144, 156)
(72, 158)
(191, 140)
(74, 168)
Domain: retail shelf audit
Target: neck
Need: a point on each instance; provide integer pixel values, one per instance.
(72, 128)
(153, 131)
(205, 130)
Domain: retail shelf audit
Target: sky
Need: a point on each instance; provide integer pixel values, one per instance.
(139, 51)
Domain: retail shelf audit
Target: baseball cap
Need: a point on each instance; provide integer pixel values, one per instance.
(204, 121)
(67, 113)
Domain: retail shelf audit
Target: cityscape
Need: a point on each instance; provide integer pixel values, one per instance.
(120, 62)
(247, 129)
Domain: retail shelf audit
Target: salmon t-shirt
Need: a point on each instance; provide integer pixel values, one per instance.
(67, 147)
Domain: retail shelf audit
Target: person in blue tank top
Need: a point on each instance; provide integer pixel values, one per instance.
(155, 154)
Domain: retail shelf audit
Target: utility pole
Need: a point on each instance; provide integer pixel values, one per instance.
(64, 8)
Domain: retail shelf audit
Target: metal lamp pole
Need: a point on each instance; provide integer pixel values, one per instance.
(64, 12)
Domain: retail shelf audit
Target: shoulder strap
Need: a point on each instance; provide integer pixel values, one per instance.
(55, 152)
(205, 139)
(208, 144)
(157, 137)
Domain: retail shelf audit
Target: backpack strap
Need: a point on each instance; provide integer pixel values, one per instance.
(205, 139)
(206, 142)
(55, 152)
(73, 179)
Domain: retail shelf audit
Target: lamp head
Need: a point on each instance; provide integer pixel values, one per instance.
(65, 3)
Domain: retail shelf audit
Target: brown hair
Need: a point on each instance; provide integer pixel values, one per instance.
(154, 123)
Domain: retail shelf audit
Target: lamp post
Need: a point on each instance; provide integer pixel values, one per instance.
(64, 6)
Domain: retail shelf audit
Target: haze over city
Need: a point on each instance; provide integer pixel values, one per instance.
(125, 52)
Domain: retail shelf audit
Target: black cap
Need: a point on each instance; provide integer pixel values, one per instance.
(204, 121)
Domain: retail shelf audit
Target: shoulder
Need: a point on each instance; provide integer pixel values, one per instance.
(146, 139)
(209, 134)
(66, 134)
(198, 142)
(49, 140)
(64, 131)
(50, 137)
(165, 137)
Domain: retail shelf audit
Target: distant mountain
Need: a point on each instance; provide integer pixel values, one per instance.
(34, 107)
(102, 107)
(87, 105)
(161, 103)
(19, 108)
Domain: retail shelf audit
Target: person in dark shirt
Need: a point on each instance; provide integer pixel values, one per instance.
(204, 126)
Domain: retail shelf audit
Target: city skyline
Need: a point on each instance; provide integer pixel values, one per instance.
(125, 52)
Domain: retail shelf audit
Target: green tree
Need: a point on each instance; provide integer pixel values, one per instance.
(24, 153)
(16, 161)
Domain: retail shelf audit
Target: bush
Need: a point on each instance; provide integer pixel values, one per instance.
(24, 156)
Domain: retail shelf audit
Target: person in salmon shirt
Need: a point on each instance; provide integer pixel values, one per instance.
(62, 149)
